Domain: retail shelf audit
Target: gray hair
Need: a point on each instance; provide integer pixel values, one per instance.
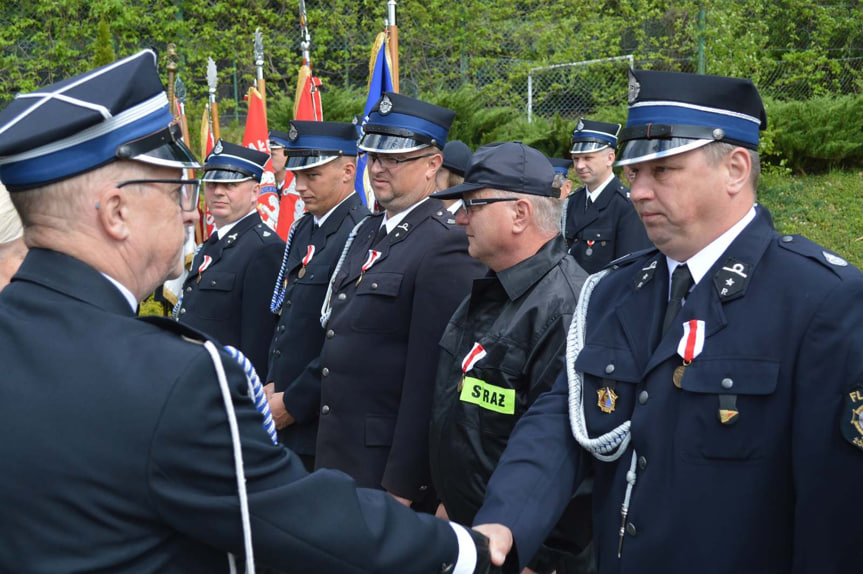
(546, 210)
(715, 152)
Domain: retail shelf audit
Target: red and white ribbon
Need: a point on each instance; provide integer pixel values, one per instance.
(476, 353)
(371, 260)
(692, 342)
(205, 263)
(310, 252)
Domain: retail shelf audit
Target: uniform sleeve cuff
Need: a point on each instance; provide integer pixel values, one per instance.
(466, 563)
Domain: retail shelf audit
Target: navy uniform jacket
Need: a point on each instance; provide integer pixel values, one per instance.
(607, 230)
(776, 491)
(230, 300)
(117, 455)
(293, 365)
(378, 367)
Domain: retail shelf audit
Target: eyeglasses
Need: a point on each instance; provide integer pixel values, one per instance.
(388, 162)
(189, 190)
(470, 205)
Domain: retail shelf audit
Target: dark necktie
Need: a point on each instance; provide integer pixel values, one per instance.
(681, 283)
(379, 236)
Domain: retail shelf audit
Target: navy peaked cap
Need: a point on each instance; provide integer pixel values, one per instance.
(589, 136)
(560, 165)
(456, 157)
(232, 162)
(118, 111)
(508, 166)
(400, 124)
(310, 144)
(671, 113)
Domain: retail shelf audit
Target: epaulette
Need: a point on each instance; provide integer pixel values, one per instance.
(630, 258)
(356, 214)
(266, 233)
(811, 250)
(190, 334)
(444, 217)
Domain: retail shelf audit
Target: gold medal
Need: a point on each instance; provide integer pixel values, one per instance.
(677, 377)
(360, 278)
(302, 272)
(461, 383)
(607, 399)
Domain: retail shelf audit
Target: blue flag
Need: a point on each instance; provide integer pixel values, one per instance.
(380, 81)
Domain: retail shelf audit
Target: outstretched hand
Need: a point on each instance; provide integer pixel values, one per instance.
(499, 541)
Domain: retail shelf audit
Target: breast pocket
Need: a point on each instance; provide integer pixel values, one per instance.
(610, 387)
(598, 239)
(307, 292)
(729, 409)
(216, 293)
(376, 308)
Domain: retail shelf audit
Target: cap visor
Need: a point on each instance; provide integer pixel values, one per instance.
(587, 147)
(458, 190)
(383, 143)
(637, 151)
(299, 162)
(215, 175)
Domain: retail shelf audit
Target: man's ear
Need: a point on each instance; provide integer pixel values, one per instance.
(522, 215)
(738, 167)
(113, 212)
(434, 163)
(350, 171)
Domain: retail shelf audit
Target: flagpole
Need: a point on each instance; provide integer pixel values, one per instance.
(212, 82)
(172, 73)
(393, 30)
(306, 42)
(260, 83)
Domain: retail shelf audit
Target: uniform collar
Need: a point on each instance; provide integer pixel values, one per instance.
(392, 222)
(519, 278)
(223, 231)
(130, 297)
(320, 222)
(700, 263)
(594, 195)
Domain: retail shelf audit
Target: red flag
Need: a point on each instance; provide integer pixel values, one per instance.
(307, 107)
(257, 136)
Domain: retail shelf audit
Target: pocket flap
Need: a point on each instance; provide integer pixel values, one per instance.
(732, 376)
(387, 284)
(608, 363)
(217, 281)
(597, 233)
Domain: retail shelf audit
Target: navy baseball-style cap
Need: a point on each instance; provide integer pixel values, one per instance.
(118, 111)
(310, 144)
(589, 136)
(232, 162)
(672, 113)
(560, 165)
(508, 166)
(399, 124)
(456, 157)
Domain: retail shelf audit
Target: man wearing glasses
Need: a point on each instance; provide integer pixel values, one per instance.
(125, 431)
(227, 293)
(404, 273)
(504, 346)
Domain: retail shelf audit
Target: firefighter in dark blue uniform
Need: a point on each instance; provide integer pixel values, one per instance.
(322, 157)
(716, 385)
(600, 224)
(405, 271)
(122, 436)
(227, 293)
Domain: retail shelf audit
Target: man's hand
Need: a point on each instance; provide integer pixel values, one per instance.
(281, 416)
(269, 389)
(499, 541)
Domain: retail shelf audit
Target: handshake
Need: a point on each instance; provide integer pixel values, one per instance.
(493, 542)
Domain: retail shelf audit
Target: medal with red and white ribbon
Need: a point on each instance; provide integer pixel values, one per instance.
(476, 353)
(370, 260)
(589, 250)
(690, 346)
(310, 252)
(203, 266)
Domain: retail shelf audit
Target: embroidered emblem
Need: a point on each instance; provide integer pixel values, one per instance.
(645, 275)
(580, 125)
(293, 134)
(218, 149)
(385, 106)
(851, 418)
(731, 280)
(728, 413)
(834, 259)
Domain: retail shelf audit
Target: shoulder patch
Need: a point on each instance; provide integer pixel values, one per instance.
(266, 233)
(811, 250)
(851, 417)
(190, 334)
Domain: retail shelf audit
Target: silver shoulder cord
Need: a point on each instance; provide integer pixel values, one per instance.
(611, 445)
(238, 462)
(327, 307)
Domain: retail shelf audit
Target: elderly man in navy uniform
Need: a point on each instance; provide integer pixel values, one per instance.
(227, 293)
(322, 157)
(600, 223)
(716, 385)
(124, 434)
(504, 345)
(405, 271)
